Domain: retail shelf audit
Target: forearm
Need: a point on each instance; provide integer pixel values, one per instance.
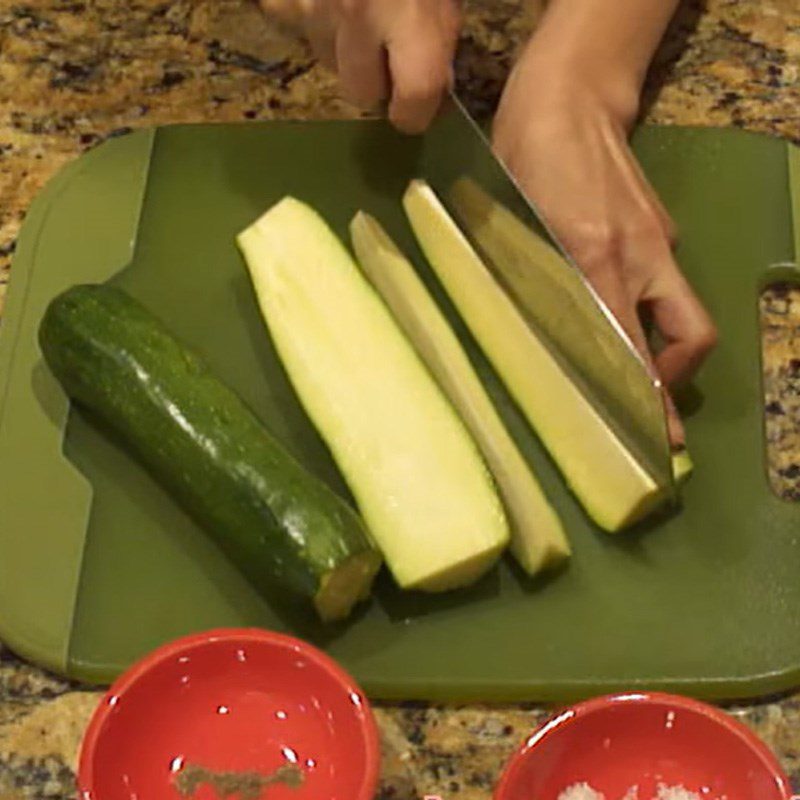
(604, 40)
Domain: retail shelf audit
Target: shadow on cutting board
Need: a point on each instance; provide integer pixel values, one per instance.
(401, 605)
(47, 392)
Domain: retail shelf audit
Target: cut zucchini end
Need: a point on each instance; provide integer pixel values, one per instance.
(540, 559)
(365, 225)
(538, 539)
(350, 583)
(682, 466)
(459, 575)
(650, 503)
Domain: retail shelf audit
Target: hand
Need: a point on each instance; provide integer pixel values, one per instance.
(563, 134)
(400, 50)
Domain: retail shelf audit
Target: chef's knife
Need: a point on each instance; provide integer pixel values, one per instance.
(559, 303)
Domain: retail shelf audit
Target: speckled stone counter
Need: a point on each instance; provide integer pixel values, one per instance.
(73, 72)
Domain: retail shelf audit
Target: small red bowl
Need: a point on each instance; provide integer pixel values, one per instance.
(615, 743)
(231, 701)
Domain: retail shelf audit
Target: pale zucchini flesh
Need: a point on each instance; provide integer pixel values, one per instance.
(682, 466)
(613, 487)
(416, 475)
(537, 536)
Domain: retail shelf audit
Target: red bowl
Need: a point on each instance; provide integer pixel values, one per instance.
(617, 742)
(231, 701)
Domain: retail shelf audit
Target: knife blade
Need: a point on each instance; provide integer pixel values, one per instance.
(558, 301)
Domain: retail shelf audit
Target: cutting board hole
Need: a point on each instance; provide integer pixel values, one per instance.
(780, 325)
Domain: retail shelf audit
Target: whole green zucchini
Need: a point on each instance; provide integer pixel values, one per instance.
(282, 527)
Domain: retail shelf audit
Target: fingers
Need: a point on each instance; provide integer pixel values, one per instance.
(688, 331)
(617, 297)
(420, 62)
(606, 270)
(675, 430)
(383, 48)
(647, 271)
(658, 285)
(362, 65)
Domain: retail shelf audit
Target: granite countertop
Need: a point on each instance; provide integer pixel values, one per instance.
(73, 72)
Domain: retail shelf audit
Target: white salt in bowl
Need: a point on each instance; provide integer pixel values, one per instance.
(641, 746)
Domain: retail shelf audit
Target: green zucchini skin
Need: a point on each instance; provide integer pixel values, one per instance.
(277, 523)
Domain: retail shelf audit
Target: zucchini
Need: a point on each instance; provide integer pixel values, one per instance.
(416, 474)
(682, 466)
(537, 536)
(282, 527)
(612, 486)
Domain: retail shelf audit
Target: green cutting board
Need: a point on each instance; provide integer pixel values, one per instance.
(98, 566)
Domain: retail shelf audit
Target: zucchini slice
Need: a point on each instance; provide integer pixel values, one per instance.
(416, 474)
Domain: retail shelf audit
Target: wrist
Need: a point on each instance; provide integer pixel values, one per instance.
(563, 76)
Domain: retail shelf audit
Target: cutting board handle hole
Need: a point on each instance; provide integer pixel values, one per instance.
(779, 309)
